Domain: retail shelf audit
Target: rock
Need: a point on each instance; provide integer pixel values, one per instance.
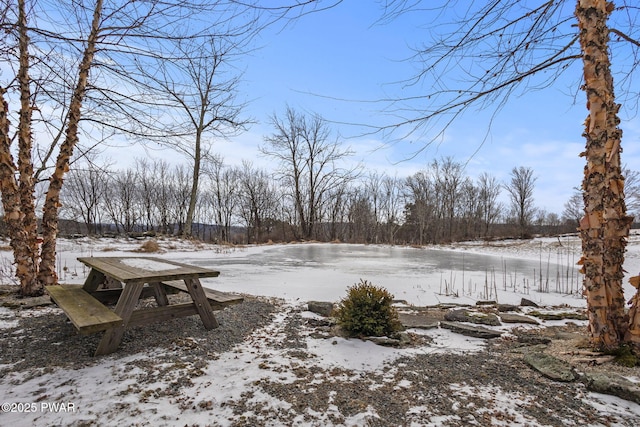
(445, 305)
(528, 303)
(24, 303)
(322, 308)
(418, 321)
(384, 341)
(486, 303)
(550, 367)
(471, 331)
(532, 339)
(404, 337)
(612, 384)
(322, 323)
(507, 307)
(517, 318)
(463, 315)
(559, 315)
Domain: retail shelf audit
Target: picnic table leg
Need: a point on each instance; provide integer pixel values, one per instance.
(202, 303)
(126, 303)
(94, 279)
(159, 294)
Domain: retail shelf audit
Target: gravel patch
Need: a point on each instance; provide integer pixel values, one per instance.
(493, 386)
(45, 339)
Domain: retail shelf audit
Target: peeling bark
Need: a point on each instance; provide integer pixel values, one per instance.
(605, 225)
(17, 195)
(633, 333)
(47, 274)
(25, 164)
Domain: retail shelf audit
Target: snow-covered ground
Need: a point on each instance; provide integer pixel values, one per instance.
(298, 273)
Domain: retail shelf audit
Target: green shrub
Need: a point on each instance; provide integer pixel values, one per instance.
(625, 357)
(367, 311)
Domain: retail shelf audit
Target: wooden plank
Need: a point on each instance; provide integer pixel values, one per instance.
(94, 279)
(133, 269)
(124, 308)
(159, 314)
(202, 303)
(86, 313)
(215, 297)
(159, 293)
(111, 296)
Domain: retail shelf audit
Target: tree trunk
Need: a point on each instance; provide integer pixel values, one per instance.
(26, 270)
(47, 274)
(17, 197)
(605, 225)
(193, 196)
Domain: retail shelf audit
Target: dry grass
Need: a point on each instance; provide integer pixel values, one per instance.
(150, 246)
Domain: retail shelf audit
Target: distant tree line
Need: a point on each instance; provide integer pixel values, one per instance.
(247, 204)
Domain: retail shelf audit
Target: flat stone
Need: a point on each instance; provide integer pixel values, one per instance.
(532, 339)
(486, 303)
(612, 384)
(551, 367)
(517, 318)
(418, 321)
(469, 316)
(24, 303)
(384, 341)
(322, 308)
(471, 331)
(507, 307)
(572, 315)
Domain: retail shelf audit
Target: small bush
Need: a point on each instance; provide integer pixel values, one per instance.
(149, 246)
(625, 357)
(367, 311)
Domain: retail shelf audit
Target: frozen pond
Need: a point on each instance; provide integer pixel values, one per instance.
(419, 276)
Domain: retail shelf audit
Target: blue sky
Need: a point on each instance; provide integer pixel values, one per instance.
(342, 53)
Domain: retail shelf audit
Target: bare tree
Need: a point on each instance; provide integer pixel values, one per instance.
(391, 206)
(84, 194)
(632, 191)
(198, 91)
(361, 217)
(526, 47)
(573, 209)
(448, 176)
(520, 189)
(420, 207)
(122, 202)
(490, 209)
(309, 163)
(223, 192)
(258, 200)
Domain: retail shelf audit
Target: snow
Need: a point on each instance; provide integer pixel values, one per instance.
(149, 264)
(96, 393)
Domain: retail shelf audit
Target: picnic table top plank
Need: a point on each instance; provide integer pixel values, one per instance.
(86, 313)
(145, 269)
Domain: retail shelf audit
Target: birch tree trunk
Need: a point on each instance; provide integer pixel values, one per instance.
(605, 225)
(47, 274)
(17, 196)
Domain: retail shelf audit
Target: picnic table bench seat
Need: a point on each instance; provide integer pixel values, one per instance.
(218, 300)
(86, 313)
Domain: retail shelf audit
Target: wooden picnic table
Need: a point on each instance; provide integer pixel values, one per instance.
(123, 281)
